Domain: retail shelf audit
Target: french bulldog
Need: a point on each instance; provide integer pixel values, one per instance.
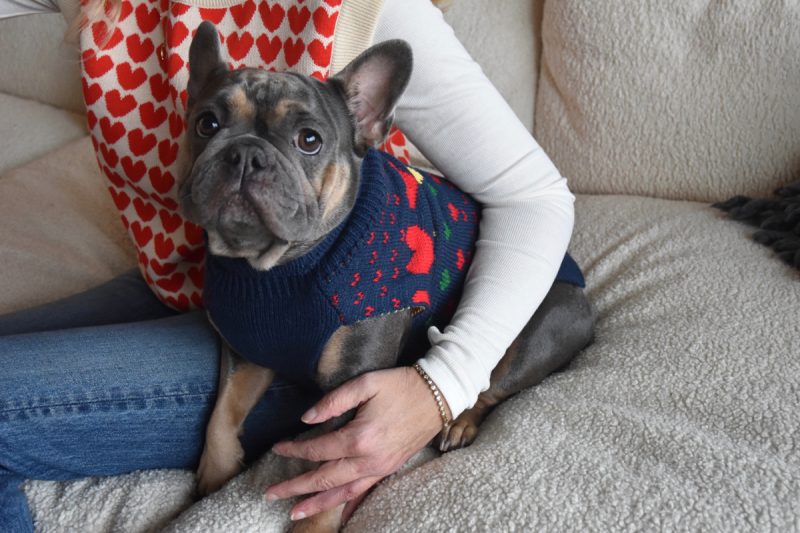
(306, 226)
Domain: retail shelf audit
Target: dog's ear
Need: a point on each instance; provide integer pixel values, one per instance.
(205, 60)
(372, 84)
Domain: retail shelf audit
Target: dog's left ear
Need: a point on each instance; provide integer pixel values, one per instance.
(372, 84)
(205, 60)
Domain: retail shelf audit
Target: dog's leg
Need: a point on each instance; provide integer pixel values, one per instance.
(241, 385)
(560, 328)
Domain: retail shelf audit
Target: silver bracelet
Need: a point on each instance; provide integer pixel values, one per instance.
(436, 395)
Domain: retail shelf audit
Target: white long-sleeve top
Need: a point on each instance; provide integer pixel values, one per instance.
(459, 121)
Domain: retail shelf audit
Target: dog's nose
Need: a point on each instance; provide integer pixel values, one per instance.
(246, 158)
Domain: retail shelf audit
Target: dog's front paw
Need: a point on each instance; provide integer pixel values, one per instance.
(219, 463)
(460, 434)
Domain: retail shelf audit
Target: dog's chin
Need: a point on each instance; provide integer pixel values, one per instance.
(261, 256)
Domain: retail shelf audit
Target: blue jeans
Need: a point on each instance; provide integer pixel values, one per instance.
(110, 381)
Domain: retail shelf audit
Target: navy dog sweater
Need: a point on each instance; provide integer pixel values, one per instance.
(406, 244)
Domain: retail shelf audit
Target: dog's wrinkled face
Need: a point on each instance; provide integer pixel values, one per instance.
(275, 157)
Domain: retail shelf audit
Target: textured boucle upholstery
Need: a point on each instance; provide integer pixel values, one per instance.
(698, 99)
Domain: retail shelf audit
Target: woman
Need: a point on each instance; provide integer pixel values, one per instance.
(115, 379)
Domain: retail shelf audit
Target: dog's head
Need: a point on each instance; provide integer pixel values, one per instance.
(275, 157)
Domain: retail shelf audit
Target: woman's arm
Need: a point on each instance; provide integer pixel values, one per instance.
(13, 8)
(454, 115)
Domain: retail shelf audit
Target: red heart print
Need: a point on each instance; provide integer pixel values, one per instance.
(194, 233)
(142, 258)
(175, 65)
(196, 275)
(134, 170)
(169, 203)
(175, 125)
(421, 245)
(125, 221)
(159, 87)
(101, 37)
(109, 156)
(239, 46)
(293, 50)
(94, 65)
(171, 222)
(112, 131)
(121, 198)
(242, 13)
(197, 300)
(161, 181)
(320, 54)
(152, 116)
(91, 93)
(142, 234)
(319, 75)
(325, 23)
(91, 119)
(397, 138)
(147, 19)
(179, 9)
(163, 245)
(128, 78)
(269, 49)
(162, 270)
(118, 106)
(272, 17)
(112, 176)
(139, 49)
(214, 15)
(177, 34)
(421, 297)
(333, 3)
(139, 143)
(145, 210)
(167, 152)
(453, 212)
(126, 10)
(179, 304)
(173, 283)
(298, 18)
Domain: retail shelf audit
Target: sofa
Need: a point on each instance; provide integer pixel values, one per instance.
(683, 414)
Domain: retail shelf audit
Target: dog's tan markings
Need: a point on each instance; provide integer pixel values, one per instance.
(332, 187)
(331, 359)
(241, 385)
(283, 107)
(240, 104)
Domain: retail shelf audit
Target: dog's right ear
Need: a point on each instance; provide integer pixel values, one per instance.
(205, 60)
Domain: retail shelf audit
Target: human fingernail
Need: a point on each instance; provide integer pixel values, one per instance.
(298, 516)
(309, 416)
(271, 497)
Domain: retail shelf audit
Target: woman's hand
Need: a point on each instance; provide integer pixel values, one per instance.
(397, 416)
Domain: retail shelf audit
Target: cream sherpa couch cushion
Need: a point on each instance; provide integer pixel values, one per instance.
(697, 99)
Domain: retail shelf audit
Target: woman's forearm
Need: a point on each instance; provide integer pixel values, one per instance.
(464, 127)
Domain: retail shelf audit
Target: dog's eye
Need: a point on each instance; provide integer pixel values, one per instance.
(308, 141)
(207, 125)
